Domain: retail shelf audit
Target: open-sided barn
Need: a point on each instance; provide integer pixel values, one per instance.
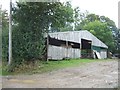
(75, 44)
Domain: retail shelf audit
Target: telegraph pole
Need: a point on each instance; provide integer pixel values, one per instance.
(119, 15)
(10, 34)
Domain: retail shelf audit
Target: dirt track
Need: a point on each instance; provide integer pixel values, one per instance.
(92, 75)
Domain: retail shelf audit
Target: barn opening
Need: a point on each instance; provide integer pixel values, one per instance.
(86, 51)
(63, 43)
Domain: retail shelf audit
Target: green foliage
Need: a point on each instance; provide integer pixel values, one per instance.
(4, 35)
(0, 68)
(65, 16)
(101, 31)
(31, 20)
(67, 27)
(118, 41)
(27, 32)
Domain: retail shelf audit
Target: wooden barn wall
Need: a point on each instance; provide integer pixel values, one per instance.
(55, 52)
(103, 54)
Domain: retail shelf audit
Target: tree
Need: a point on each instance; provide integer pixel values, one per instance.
(101, 31)
(79, 17)
(103, 19)
(31, 21)
(76, 18)
(0, 32)
(67, 13)
(5, 26)
(111, 25)
(118, 41)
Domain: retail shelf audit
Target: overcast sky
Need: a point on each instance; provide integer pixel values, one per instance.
(108, 8)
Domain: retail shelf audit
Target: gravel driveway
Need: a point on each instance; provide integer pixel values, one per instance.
(103, 74)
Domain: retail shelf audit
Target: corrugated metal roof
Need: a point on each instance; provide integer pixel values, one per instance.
(76, 36)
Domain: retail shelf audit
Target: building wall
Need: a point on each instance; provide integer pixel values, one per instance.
(103, 54)
(57, 53)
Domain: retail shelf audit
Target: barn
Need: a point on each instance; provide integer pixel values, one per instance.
(75, 44)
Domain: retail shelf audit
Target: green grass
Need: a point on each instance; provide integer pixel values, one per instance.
(55, 65)
(0, 69)
(42, 66)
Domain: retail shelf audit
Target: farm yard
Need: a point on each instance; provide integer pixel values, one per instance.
(91, 74)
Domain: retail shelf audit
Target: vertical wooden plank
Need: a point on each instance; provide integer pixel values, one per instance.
(47, 47)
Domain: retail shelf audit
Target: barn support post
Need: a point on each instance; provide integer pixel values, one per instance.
(67, 49)
(80, 51)
(47, 46)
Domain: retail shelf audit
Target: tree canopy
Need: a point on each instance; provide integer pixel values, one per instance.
(4, 34)
(31, 21)
(101, 31)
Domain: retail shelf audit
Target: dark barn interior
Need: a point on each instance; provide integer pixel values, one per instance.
(67, 44)
(86, 51)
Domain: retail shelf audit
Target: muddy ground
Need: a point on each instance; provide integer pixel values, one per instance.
(102, 74)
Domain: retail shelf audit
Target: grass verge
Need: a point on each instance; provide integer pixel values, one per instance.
(42, 66)
(0, 72)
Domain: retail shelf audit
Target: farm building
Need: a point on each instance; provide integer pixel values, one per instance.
(75, 44)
